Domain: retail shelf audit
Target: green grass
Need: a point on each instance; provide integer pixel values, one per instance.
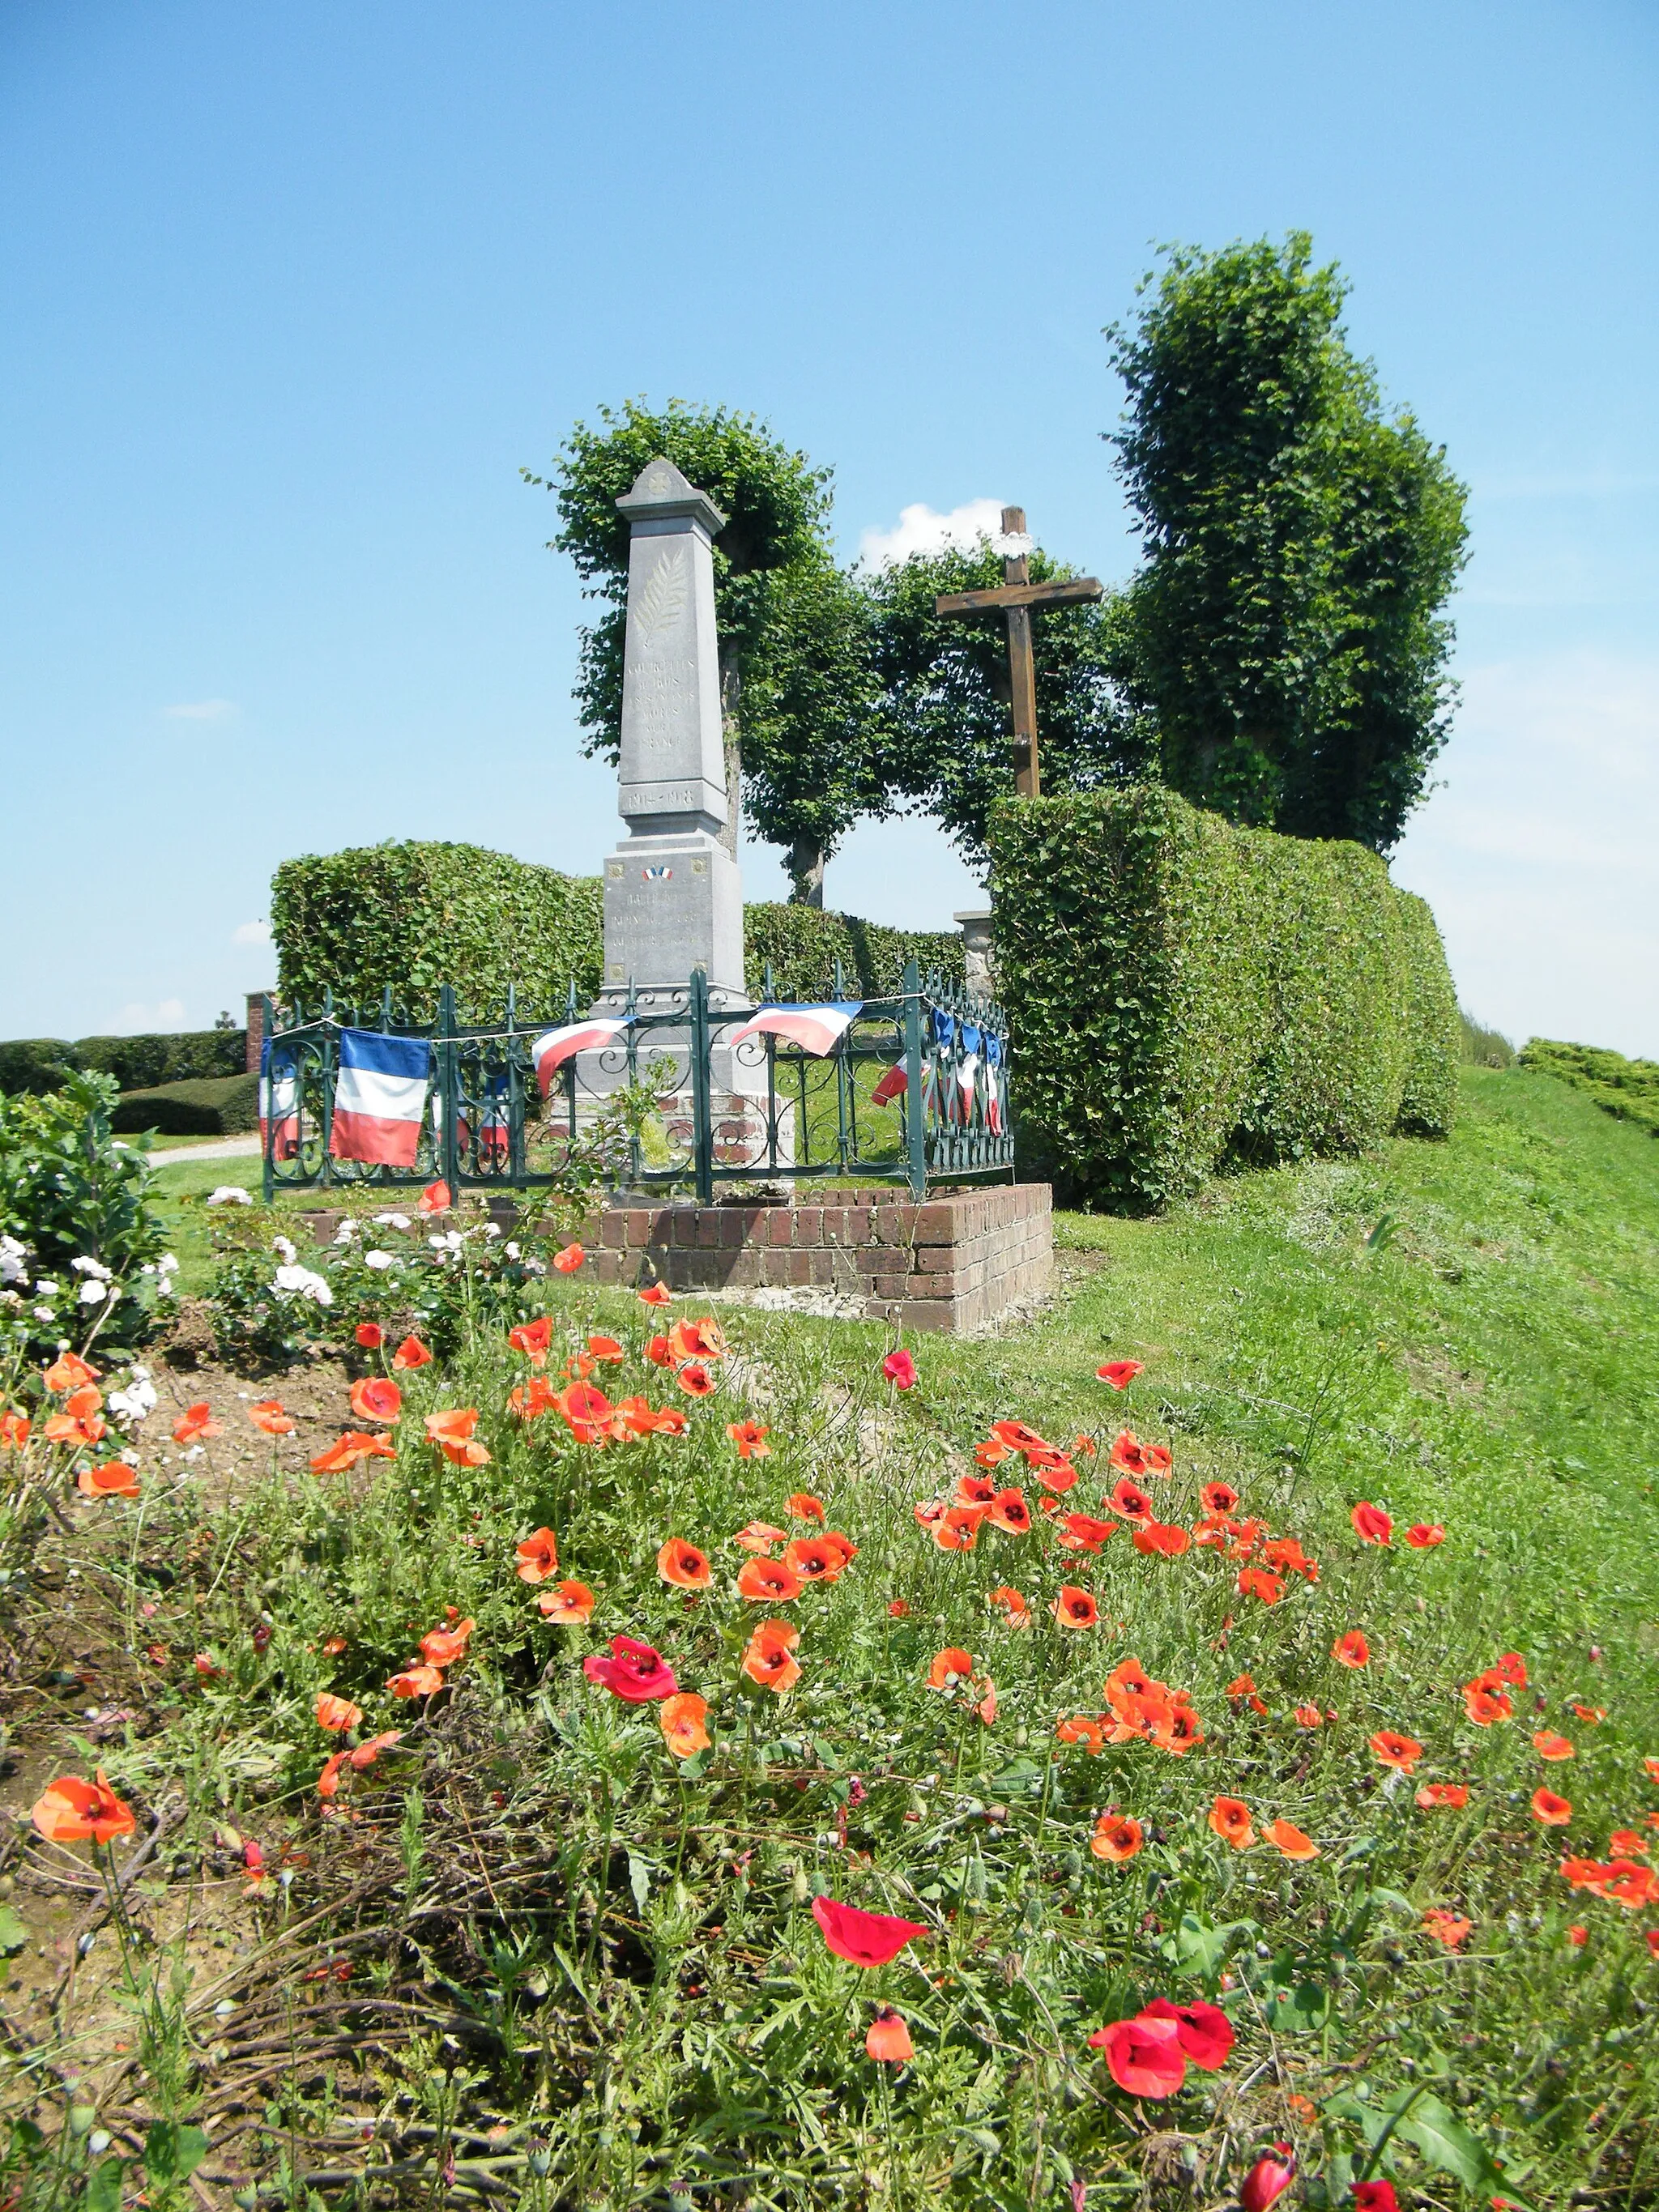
(618, 1948)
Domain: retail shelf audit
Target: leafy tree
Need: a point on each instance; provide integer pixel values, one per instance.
(791, 636)
(1287, 631)
(946, 736)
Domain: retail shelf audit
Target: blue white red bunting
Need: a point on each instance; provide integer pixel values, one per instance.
(817, 1030)
(554, 1046)
(380, 1098)
(279, 1101)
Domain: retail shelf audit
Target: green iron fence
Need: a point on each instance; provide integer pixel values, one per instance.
(914, 1089)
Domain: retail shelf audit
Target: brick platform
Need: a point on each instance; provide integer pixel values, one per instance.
(956, 1261)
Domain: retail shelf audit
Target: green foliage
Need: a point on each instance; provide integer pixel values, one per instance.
(1184, 993)
(1482, 1047)
(1627, 1088)
(416, 915)
(947, 740)
(1287, 631)
(37, 1065)
(30, 1067)
(803, 944)
(225, 1107)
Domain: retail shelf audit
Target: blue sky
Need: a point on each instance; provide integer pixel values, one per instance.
(291, 293)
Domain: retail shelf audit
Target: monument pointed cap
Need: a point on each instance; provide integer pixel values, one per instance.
(660, 492)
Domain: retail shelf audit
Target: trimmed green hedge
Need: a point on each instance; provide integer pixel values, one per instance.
(417, 915)
(227, 1106)
(1184, 993)
(1628, 1088)
(38, 1065)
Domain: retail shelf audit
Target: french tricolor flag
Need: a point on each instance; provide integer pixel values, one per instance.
(279, 1099)
(817, 1030)
(379, 1097)
(552, 1049)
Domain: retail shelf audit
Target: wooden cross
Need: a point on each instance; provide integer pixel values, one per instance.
(1016, 599)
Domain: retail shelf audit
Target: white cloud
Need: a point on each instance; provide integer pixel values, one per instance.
(136, 1018)
(201, 710)
(251, 932)
(1537, 855)
(921, 529)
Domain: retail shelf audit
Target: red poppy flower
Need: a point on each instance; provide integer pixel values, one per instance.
(606, 1350)
(1289, 1841)
(681, 1717)
(1553, 1811)
(1548, 1745)
(1217, 1498)
(1350, 1649)
(1424, 1535)
(1143, 2056)
(887, 2039)
(684, 1565)
(115, 1478)
(1230, 1819)
(768, 1582)
(1162, 1538)
(1082, 1532)
(696, 1380)
(436, 1198)
(1018, 1435)
(1074, 1607)
(1268, 2180)
(70, 1811)
(1010, 1512)
(532, 1338)
(900, 1370)
(815, 1559)
(949, 1666)
(569, 1604)
(349, 1450)
(69, 1371)
(769, 1656)
(369, 1335)
(412, 1352)
(442, 1647)
(568, 1260)
(1371, 1524)
(749, 1437)
(957, 1529)
(1447, 1927)
(1255, 1582)
(1203, 2030)
(266, 1413)
(1512, 1668)
(1087, 1446)
(537, 1556)
(633, 1671)
(1626, 1843)
(1485, 1706)
(1129, 1499)
(1129, 1454)
(1309, 1717)
(1242, 1691)
(1120, 1373)
(1593, 1715)
(803, 1506)
(1081, 1728)
(1396, 1750)
(655, 1294)
(898, 1609)
(1011, 1603)
(1116, 1838)
(1453, 1794)
(585, 1411)
(1375, 2197)
(196, 1421)
(1056, 1475)
(974, 1490)
(337, 1714)
(696, 1339)
(759, 1536)
(867, 1939)
(376, 1399)
(452, 1425)
(14, 1430)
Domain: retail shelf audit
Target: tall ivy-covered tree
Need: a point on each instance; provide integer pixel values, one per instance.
(945, 731)
(791, 647)
(1288, 630)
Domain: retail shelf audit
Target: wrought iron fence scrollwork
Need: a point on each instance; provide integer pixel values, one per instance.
(911, 1088)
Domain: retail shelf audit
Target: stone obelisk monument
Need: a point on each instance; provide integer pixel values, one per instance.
(673, 900)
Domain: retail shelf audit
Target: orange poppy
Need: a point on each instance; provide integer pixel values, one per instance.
(569, 1604)
(991, 1453)
(1018, 1437)
(1453, 1794)
(1053, 1473)
(1120, 1373)
(70, 1811)
(975, 1490)
(684, 1565)
(350, 1447)
(1309, 1717)
(1424, 1535)
(69, 1371)
(749, 1437)
(1182, 1730)
(1547, 1744)
(1080, 1729)
(1651, 1765)
(606, 1350)
(1350, 1649)
(1129, 1454)
(655, 1294)
(196, 1421)
(568, 1260)
(1289, 1841)
(1116, 1838)
(586, 1411)
(760, 1537)
(454, 1426)
(768, 1657)
(1626, 1843)
(416, 1681)
(815, 1560)
(115, 1478)
(1081, 1531)
(1284, 1555)
(531, 1399)
(768, 1582)
(1012, 1605)
(1553, 1811)
(470, 1454)
(803, 1506)
(412, 1352)
(1243, 1691)
(442, 1647)
(898, 1609)
(1511, 1667)
(696, 1380)
(1159, 1457)
(1485, 1706)
(267, 1413)
(681, 1718)
(533, 1338)
(1371, 1524)
(1396, 1750)
(332, 1646)
(1074, 1607)
(1256, 1582)
(1087, 1446)
(436, 1198)
(337, 1714)
(1592, 1715)
(538, 1557)
(14, 1430)
(1128, 1679)
(375, 1398)
(1129, 1499)
(579, 1367)
(1230, 1817)
(887, 2039)
(948, 1667)
(369, 1335)
(696, 1339)
(957, 1529)
(75, 1429)
(1162, 1538)
(1447, 1927)
(1217, 1498)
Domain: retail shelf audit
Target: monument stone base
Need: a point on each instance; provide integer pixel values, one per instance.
(664, 893)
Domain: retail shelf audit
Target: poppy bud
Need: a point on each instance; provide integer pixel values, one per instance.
(1268, 2180)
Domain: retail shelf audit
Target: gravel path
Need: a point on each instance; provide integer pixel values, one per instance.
(222, 1148)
